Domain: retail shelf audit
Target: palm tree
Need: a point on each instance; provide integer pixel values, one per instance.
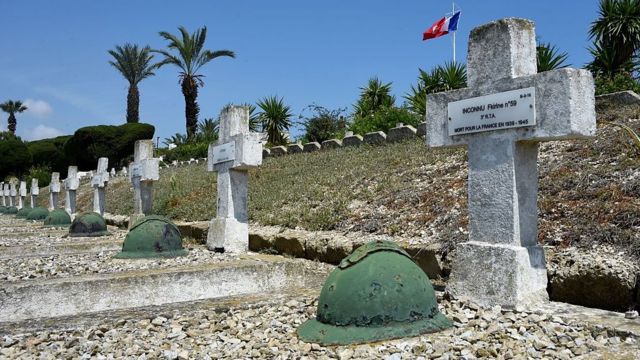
(135, 65)
(13, 108)
(617, 31)
(190, 57)
(208, 130)
(549, 57)
(275, 119)
(452, 76)
(374, 97)
(449, 76)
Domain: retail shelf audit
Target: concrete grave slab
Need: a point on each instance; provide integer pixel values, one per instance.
(375, 137)
(311, 147)
(331, 144)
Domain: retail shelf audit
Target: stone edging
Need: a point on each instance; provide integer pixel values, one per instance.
(399, 133)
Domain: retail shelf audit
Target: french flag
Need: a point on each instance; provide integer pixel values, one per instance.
(442, 27)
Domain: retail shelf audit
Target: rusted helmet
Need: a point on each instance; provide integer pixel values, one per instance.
(152, 236)
(58, 217)
(22, 213)
(38, 213)
(88, 224)
(376, 293)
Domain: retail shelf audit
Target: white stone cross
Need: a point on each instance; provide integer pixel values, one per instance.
(35, 191)
(99, 183)
(22, 193)
(54, 190)
(6, 191)
(237, 151)
(144, 170)
(71, 184)
(506, 110)
(13, 193)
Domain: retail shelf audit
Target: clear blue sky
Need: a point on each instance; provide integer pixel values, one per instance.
(54, 53)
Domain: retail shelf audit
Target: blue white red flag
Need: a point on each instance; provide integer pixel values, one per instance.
(442, 27)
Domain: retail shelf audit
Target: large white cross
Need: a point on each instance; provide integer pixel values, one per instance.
(22, 193)
(506, 110)
(54, 190)
(71, 184)
(99, 183)
(237, 151)
(35, 191)
(144, 170)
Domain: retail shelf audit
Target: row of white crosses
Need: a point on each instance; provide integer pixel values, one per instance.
(12, 195)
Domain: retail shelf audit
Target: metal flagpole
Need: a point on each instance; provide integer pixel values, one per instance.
(453, 11)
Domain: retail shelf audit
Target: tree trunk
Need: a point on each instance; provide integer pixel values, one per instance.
(191, 108)
(133, 104)
(12, 123)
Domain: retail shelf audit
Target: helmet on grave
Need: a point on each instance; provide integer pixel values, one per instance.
(58, 217)
(152, 236)
(11, 210)
(88, 224)
(376, 293)
(24, 212)
(38, 213)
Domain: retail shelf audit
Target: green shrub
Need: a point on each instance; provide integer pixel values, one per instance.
(50, 153)
(323, 124)
(90, 143)
(619, 82)
(187, 151)
(42, 173)
(15, 157)
(384, 120)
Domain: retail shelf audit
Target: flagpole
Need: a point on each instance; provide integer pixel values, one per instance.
(453, 11)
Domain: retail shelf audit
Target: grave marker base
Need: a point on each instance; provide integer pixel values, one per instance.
(505, 275)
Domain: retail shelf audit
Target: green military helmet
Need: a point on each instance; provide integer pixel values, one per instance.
(88, 224)
(11, 210)
(24, 212)
(58, 217)
(38, 213)
(3, 209)
(151, 237)
(376, 293)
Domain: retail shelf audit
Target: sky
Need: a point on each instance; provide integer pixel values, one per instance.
(54, 53)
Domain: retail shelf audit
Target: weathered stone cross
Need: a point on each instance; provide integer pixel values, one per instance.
(35, 191)
(22, 194)
(507, 109)
(71, 184)
(6, 192)
(99, 183)
(13, 192)
(144, 170)
(54, 190)
(237, 151)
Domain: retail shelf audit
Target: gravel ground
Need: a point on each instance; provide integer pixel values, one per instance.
(65, 265)
(267, 331)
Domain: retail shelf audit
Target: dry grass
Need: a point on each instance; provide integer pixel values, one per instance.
(589, 191)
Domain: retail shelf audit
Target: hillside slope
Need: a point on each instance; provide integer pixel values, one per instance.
(589, 191)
